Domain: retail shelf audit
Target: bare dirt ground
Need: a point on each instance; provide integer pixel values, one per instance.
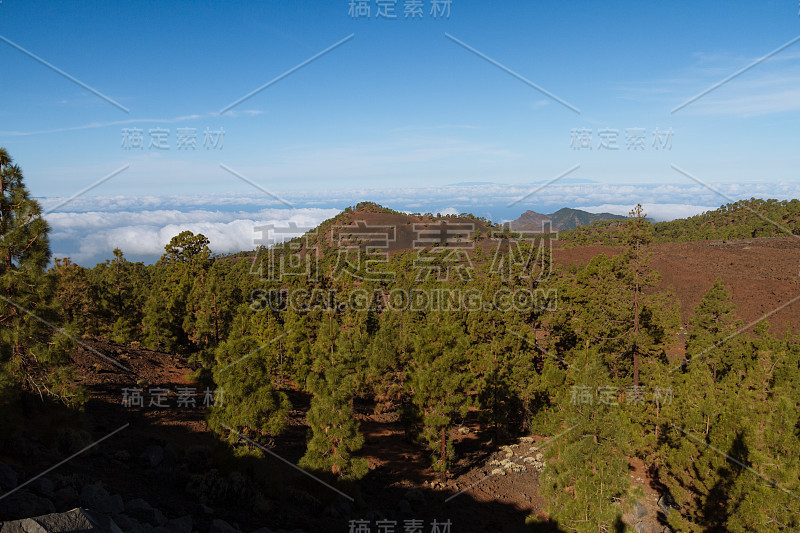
(399, 486)
(762, 274)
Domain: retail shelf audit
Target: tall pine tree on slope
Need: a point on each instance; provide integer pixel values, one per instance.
(249, 403)
(586, 479)
(32, 353)
(334, 433)
(166, 318)
(439, 381)
(731, 459)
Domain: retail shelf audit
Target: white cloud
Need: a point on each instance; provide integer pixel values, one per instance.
(143, 225)
(765, 88)
(88, 237)
(657, 212)
(134, 122)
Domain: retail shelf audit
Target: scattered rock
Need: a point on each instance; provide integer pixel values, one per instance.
(152, 456)
(180, 525)
(339, 508)
(415, 496)
(144, 512)
(331, 511)
(66, 499)
(20, 447)
(75, 520)
(639, 511)
(646, 527)
(170, 454)
(665, 502)
(96, 498)
(24, 504)
(43, 487)
(221, 526)
(69, 441)
(8, 477)
(123, 456)
(127, 524)
(404, 507)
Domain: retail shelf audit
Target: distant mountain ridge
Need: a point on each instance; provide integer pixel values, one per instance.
(563, 219)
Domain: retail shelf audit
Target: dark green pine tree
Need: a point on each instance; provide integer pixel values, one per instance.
(77, 295)
(490, 359)
(765, 415)
(636, 275)
(690, 469)
(713, 327)
(33, 355)
(387, 359)
(166, 320)
(209, 306)
(250, 404)
(586, 478)
(334, 433)
(707, 416)
(123, 288)
(439, 382)
(294, 349)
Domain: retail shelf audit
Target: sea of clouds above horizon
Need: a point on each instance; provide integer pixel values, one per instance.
(87, 229)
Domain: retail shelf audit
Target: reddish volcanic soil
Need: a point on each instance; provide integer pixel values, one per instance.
(762, 274)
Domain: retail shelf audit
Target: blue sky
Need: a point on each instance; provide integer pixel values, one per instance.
(398, 105)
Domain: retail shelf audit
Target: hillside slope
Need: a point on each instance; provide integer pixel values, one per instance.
(563, 219)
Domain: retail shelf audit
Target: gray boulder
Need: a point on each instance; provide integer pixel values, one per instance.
(221, 526)
(66, 498)
(647, 527)
(180, 525)
(144, 512)
(127, 524)
(152, 456)
(665, 502)
(639, 511)
(74, 521)
(96, 498)
(404, 507)
(8, 477)
(24, 504)
(43, 487)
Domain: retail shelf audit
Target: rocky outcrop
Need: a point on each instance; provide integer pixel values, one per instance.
(74, 521)
(516, 458)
